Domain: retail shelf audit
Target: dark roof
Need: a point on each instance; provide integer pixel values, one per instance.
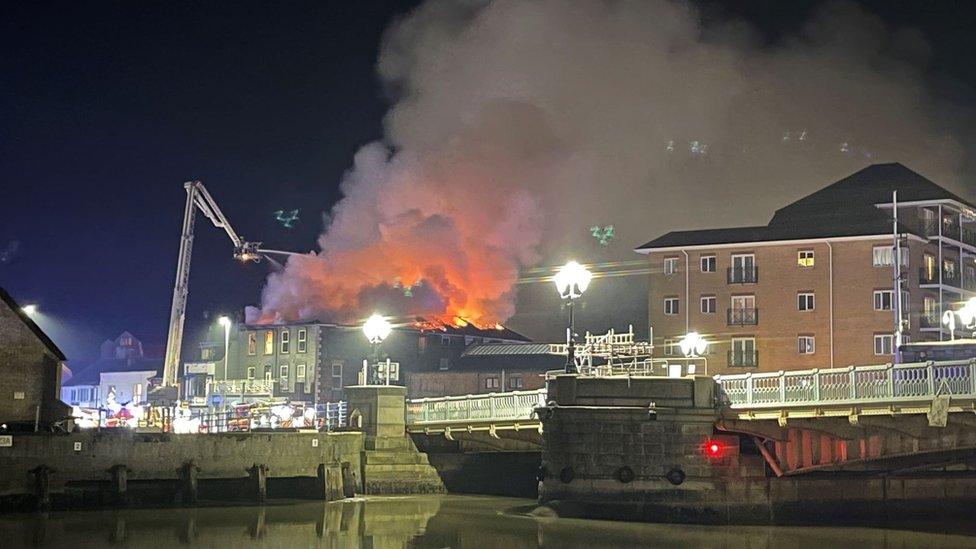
(845, 208)
(471, 330)
(507, 349)
(19, 311)
(89, 374)
(419, 324)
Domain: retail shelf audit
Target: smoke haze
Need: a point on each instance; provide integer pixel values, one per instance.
(518, 125)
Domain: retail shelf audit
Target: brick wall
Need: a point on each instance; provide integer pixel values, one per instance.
(28, 367)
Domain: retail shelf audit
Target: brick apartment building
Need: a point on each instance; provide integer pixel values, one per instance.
(815, 287)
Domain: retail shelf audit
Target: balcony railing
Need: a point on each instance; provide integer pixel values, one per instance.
(969, 237)
(744, 358)
(742, 317)
(743, 275)
(949, 278)
(232, 387)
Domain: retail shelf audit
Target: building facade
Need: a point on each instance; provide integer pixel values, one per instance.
(815, 288)
(122, 374)
(31, 380)
(491, 368)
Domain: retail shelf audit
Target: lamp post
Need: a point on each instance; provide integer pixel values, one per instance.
(967, 318)
(29, 310)
(376, 328)
(225, 322)
(693, 345)
(571, 281)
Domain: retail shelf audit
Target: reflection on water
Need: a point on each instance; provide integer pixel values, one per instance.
(415, 522)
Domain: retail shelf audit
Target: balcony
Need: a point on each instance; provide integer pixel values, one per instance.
(969, 237)
(742, 317)
(929, 320)
(949, 278)
(741, 358)
(743, 275)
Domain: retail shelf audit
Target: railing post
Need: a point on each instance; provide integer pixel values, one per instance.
(749, 387)
(816, 384)
(930, 369)
(782, 387)
(491, 408)
(851, 379)
(890, 372)
(972, 376)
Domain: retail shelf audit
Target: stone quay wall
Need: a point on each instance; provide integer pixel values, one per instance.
(639, 449)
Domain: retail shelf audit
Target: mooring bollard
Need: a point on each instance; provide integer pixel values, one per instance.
(42, 486)
(330, 481)
(348, 480)
(189, 473)
(259, 482)
(120, 483)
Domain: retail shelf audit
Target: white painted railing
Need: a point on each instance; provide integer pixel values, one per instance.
(852, 385)
(509, 406)
(231, 387)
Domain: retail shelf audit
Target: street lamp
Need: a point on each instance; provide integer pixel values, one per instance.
(225, 322)
(571, 281)
(376, 328)
(29, 310)
(693, 345)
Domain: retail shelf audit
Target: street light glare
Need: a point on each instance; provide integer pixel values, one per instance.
(224, 321)
(693, 344)
(29, 309)
(572, 279)
(376, 329)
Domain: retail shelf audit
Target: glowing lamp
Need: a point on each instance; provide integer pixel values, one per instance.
(571, 280)
(29, 309)
(693, 345)
(224, 321)
(376, 329)
(714, 448)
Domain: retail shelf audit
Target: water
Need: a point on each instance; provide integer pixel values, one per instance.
(416, 522)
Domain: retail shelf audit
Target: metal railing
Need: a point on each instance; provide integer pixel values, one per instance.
(742, 317)
(929, 320)
(744, 358)
(743, 275)
(231, 387)
(885, 383)
(949, 278)
(515, 405)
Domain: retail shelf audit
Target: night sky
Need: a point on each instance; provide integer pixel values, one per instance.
(108, 107)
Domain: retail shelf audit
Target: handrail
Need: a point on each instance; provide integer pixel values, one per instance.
(512, 405)
(893, 383)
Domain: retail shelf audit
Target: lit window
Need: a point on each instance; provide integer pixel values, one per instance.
(883, 300)
(302, 340)
(269, 342)
(670, 305)
(884, 344)
(804, 301)
(805, 345)
(670, 265)
(708, 304)
(252, 343)
(804, 258)
(708, 263)
(285, 342)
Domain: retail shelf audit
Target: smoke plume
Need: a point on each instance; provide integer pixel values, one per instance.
(518, 125)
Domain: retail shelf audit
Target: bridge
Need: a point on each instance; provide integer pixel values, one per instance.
(869, 418)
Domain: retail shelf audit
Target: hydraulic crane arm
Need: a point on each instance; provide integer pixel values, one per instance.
(197, 197)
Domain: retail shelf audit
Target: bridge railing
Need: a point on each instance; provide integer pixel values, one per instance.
(515, 405)
(852, 385)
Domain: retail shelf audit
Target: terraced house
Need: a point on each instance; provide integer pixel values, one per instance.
(815, 288)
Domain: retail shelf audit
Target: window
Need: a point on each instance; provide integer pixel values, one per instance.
(804, 258)
(515, 382)
(137, 393)
(883, 344)
(883, 300)
(670, 265)
(250, 372)
(884, 256)
(300, 372)
(804, 301)
(445, 364)
(708, 263)
(670, 305)
(670, 347)
(268, 374)
(336, 374)
(283, 378)
(929, 268)
(491, 382)
(302, 340)
(207, 353)
(422, 343)
(252, 343)
(445, 341)
(708, 304)
(285, 342)
(805, 345)
(743, 270)
(949, 268)
(269, 342)
(743, 352)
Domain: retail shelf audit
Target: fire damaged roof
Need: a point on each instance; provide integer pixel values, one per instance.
(31, 325)
(471, 330)
(843, 209)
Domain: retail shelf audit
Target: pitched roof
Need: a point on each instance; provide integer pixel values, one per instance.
(19, 311)
(843, 209)
(508, 349)
(89, 374)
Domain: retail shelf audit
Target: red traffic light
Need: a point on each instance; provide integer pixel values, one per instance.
(714, 448)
